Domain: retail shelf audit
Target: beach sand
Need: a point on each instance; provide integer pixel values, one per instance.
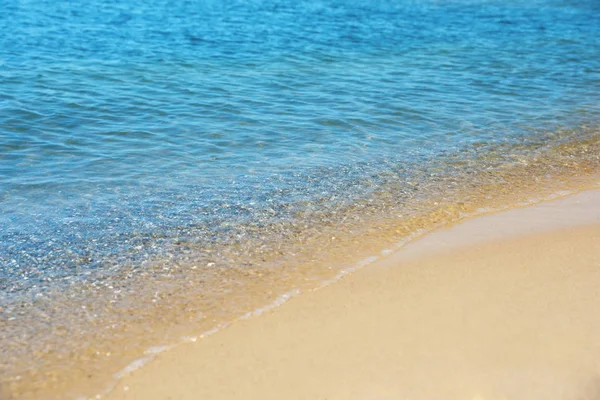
(505, 306)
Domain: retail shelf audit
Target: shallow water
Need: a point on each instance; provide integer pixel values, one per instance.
(190, 150)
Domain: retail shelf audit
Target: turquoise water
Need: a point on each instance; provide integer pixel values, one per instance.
(152, 117)
(127, 127)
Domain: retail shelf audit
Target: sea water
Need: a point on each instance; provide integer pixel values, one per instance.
(154, 150)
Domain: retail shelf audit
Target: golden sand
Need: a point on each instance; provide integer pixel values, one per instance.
(70, 341)
(504, 306)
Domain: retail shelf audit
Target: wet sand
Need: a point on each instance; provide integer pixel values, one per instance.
(505, 306)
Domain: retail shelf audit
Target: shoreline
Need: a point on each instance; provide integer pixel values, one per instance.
(69, 339)
(254, 354)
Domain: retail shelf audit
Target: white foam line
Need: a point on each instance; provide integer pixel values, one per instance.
(157, 349)
(135, 365)
(384, 253)
(212, 331)
(152, 352)
(346, 271)
(278, 302)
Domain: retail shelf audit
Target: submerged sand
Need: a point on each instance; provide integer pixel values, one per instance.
(505, 306)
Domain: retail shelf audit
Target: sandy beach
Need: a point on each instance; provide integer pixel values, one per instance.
(503, 306)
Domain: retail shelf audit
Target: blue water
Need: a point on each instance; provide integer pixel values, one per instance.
(127, 125)
(122, 117)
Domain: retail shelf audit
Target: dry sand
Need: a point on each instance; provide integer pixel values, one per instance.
(505, 306)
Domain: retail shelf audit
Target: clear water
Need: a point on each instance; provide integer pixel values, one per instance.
(127, 127)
